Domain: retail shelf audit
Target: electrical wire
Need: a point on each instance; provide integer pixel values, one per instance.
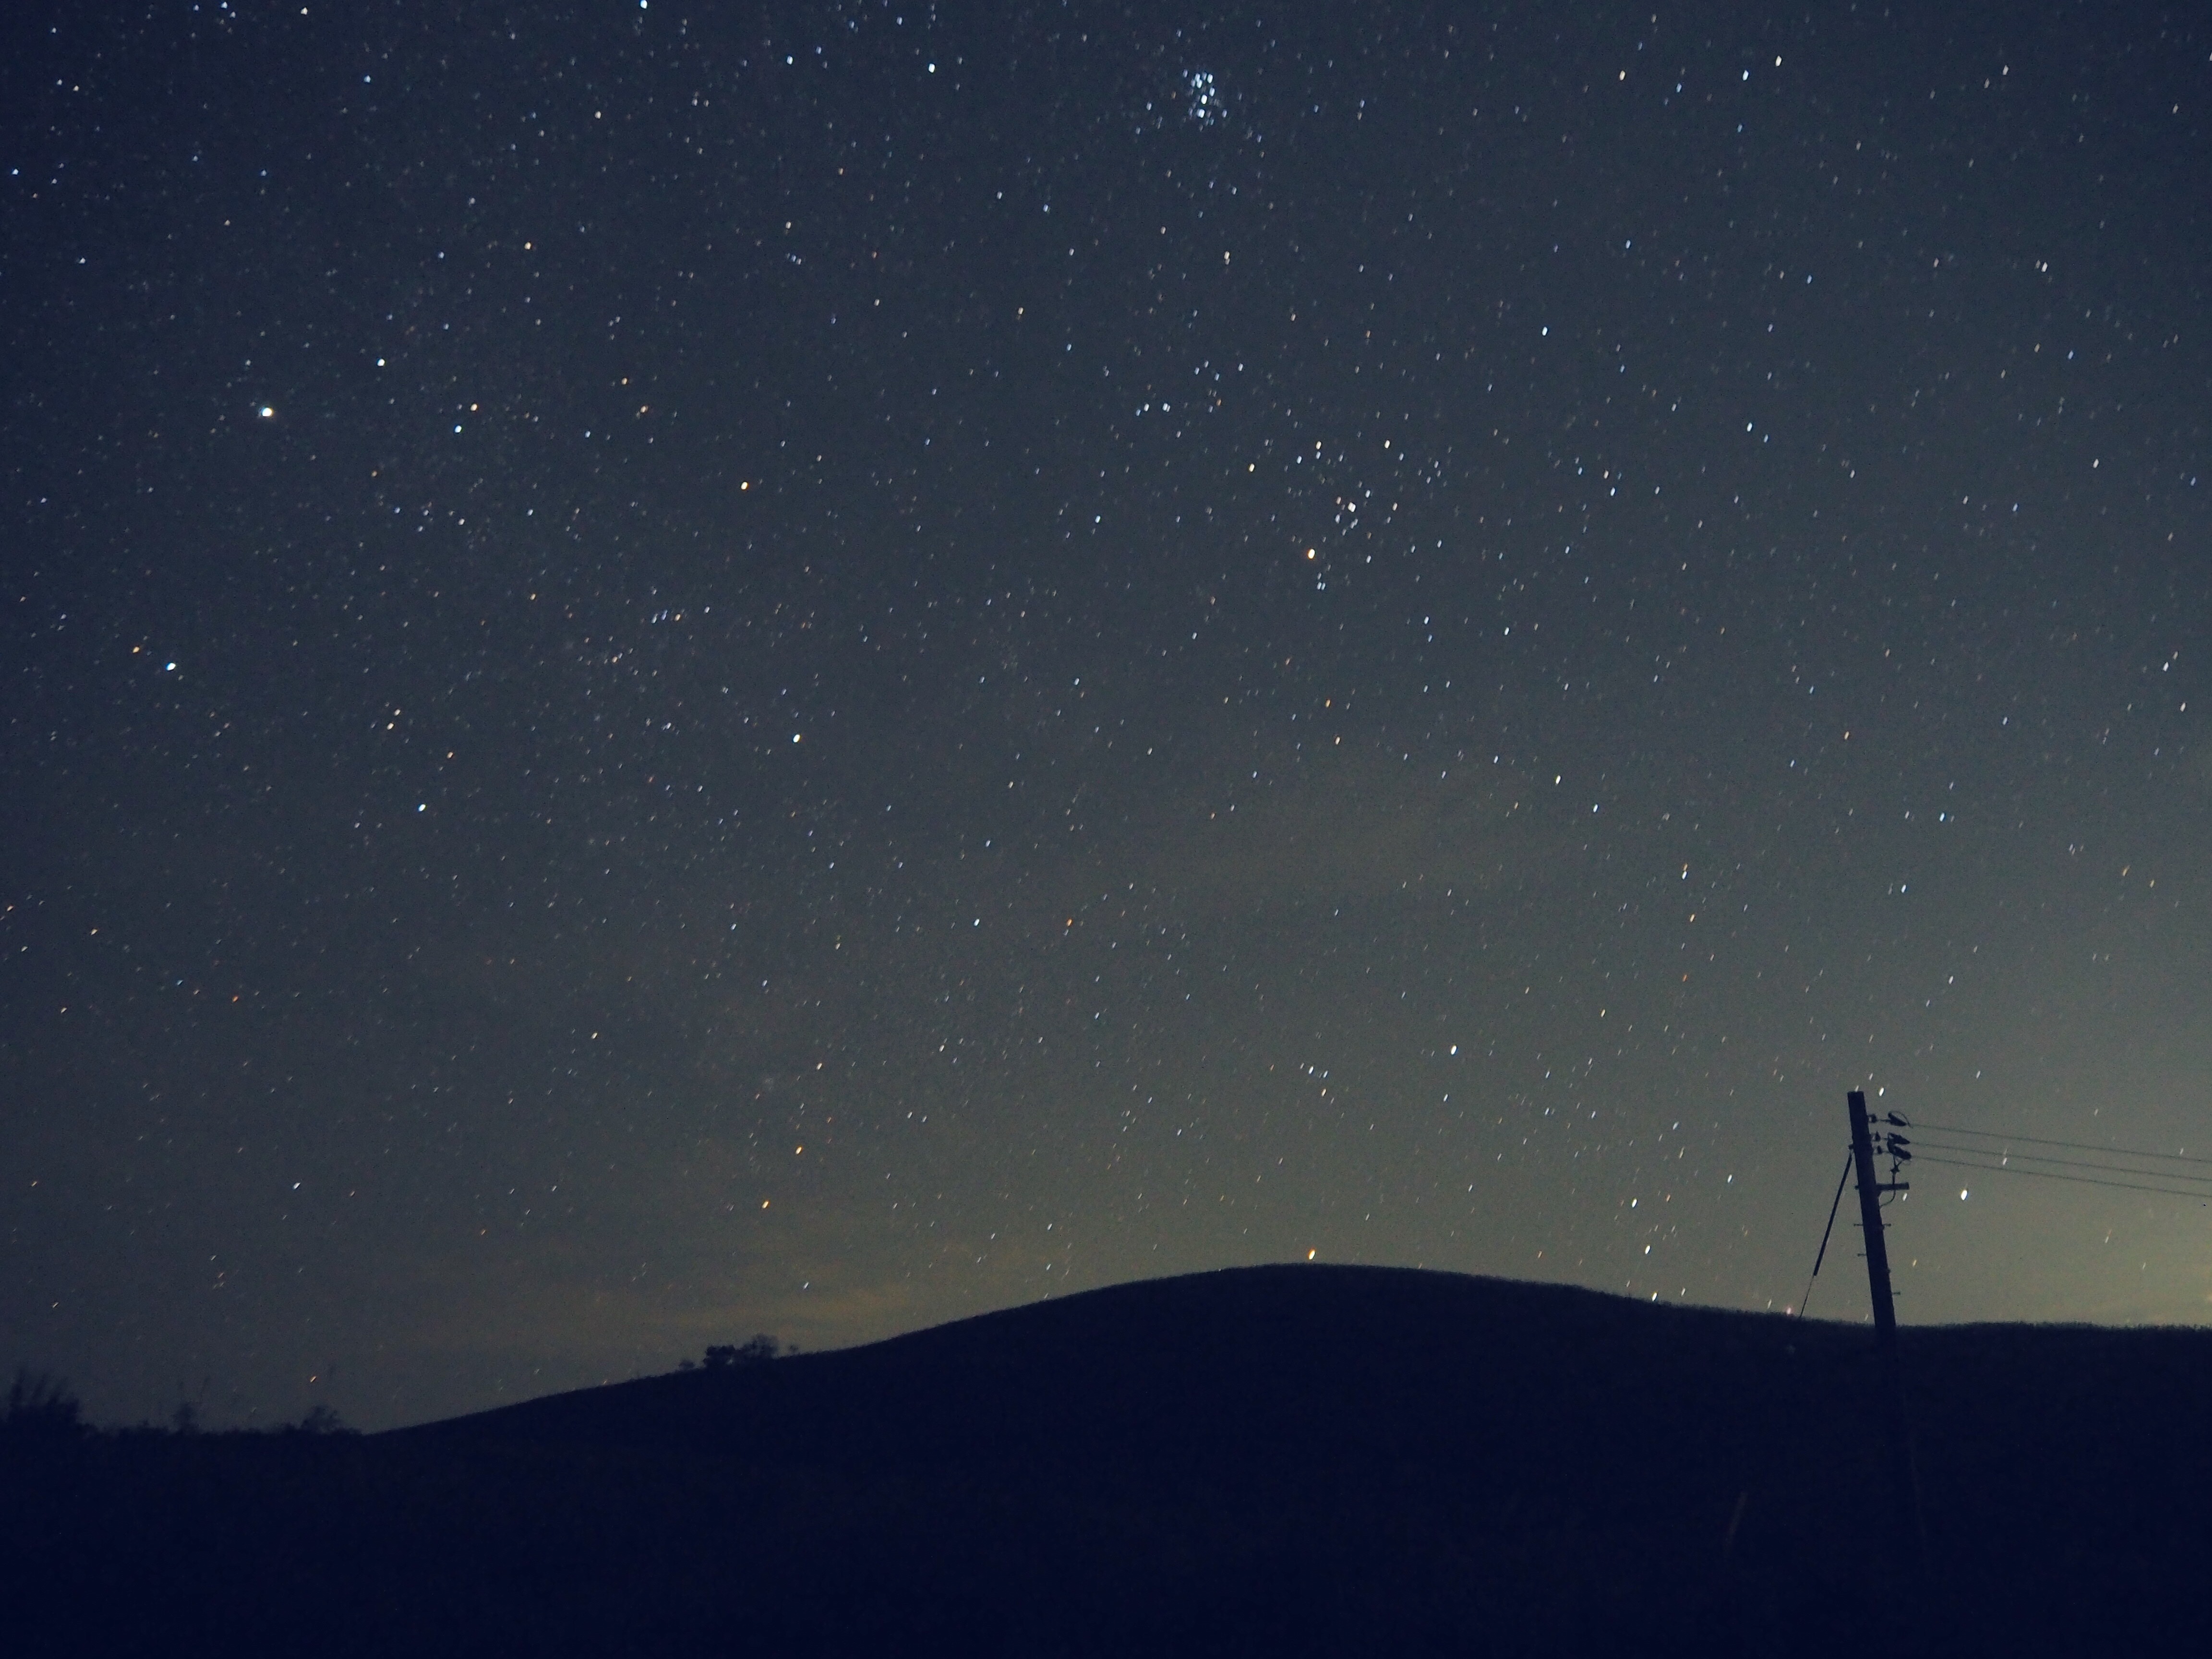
(2081, 1180)
(2063, 1163)
(2073, 1146)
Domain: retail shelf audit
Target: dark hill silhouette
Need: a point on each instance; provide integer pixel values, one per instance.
(1279, 1459)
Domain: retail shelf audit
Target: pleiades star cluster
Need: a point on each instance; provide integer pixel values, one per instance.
(673, 671)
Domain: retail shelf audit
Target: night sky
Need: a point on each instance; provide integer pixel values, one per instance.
(672, 670)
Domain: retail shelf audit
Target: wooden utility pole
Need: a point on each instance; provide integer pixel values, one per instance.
(1877, 1252)
(1905, 1483)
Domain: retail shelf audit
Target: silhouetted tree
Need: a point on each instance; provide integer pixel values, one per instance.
(754, 1350)
(41, 1405)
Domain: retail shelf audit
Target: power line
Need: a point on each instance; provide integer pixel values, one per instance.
(2063, 1163)
(2074, 1145)
(2082, 1180)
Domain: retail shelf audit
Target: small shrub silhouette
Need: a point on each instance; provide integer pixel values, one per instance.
(322, 1420)
(754, 1350)
(40, 1405)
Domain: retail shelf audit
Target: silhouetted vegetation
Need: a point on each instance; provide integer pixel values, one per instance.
(754, 1350)
(40, 1406)
(320, 1419)
(1277, 1461)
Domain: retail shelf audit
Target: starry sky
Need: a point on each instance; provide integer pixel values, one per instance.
(672, 670)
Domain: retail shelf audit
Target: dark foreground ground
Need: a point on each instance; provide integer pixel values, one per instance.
(1274, 1461)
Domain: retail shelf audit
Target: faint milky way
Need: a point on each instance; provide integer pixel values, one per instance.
(671, 675)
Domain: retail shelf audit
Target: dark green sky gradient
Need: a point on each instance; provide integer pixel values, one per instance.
(1421, 657)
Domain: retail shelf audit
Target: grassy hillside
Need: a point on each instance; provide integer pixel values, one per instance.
(1290, 1459)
